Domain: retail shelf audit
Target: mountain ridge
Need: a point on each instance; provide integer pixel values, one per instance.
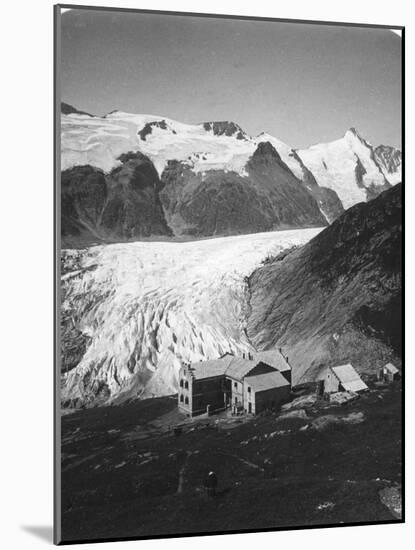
(338, 298)
(209, 159)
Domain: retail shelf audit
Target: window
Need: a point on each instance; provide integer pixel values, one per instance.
(186, 401)
(181, 383)
(186, 385)
(249, 389)
(181, 398)
(235, 385)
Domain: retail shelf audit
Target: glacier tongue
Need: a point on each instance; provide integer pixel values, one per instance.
(145, 306)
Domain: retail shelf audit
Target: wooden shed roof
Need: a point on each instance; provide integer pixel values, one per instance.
(349, 378)
(391, 368)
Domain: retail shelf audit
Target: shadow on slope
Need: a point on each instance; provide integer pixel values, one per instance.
(338, 298)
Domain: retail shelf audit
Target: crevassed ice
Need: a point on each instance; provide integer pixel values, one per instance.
(147, 305)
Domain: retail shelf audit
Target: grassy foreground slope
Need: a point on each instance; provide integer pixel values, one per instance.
(126, 472)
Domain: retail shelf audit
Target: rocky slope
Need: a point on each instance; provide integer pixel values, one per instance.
(122, 205)
(338, 298)
(67, 109)
(207, 177)
(390, 161)
(225, 203)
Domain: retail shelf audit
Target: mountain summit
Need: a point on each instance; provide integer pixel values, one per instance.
(209, 178)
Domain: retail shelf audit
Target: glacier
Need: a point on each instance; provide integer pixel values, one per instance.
(146, 306)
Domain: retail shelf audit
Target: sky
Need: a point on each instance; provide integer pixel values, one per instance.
(304, 84)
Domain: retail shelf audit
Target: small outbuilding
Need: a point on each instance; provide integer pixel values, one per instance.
(342, 378)
(389, 373)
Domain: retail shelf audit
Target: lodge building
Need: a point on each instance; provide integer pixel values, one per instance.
(251, 383)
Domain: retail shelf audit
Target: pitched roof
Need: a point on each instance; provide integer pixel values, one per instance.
(273, 358)
(239, 367)
(349, 378)
(211, 368)
(391, 368)
(267, 381)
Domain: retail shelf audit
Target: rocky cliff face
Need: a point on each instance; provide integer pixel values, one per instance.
(338, 298)
(390, 161)
(226, 203)
(67, 109)
(122, 205)
(225, 128)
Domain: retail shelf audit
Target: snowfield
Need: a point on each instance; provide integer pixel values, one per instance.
(145, 306)
(100, 141)
(347, 165)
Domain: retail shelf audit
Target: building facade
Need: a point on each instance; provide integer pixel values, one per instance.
(265, 391)
(250, 383)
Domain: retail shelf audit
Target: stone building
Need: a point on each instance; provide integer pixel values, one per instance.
(250, 383)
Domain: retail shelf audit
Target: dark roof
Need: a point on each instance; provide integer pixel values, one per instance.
(267, 381)
(239, 367)
(209, 369)
(273, 358)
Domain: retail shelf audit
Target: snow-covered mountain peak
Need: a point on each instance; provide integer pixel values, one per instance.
(354, 138)
(353, 132)
(347, 165)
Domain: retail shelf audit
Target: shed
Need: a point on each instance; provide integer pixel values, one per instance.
(342, 378)
(389, 373)
(201, 385)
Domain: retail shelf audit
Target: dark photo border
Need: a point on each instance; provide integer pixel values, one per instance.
(57, 247)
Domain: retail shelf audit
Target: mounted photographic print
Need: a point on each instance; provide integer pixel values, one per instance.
(229, 350)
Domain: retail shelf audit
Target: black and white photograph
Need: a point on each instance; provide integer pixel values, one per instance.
(229, 265)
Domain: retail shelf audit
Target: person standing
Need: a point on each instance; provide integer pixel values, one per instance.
(211, 483)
